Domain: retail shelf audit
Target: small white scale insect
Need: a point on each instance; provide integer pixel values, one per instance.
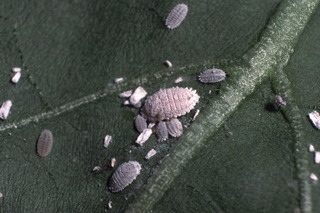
(16, 69)
(137, 95)
(317, 157)
(311, 148)
(118, 80)
(144, 136)
(315, 119)
(150, 154)
(178, 80)
(107, 141)
(313, 177)
(168, 63)
(5, 109)
(176, 16)
(15, 79)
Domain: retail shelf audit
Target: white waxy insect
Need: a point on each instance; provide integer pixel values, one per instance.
(15, 79)
(140, 123)
(196, 114)
(176, 16)
(107, 141)
(315, 119)
(5, 109)
(16, 69)
(212, 76)
(118, 80)
(168, 63)
(126, 102)
(125, 94)
(162, 131)
(150, 154)
(311, 148)
(45, 142)
(317, 157)
(279, 101)
(1, 195)
(151, 125)
(169, 103)
(137, 95)
(112, 162)
(313, 177)
(96, 169)
(178, 80)
(110, 204)
(124, 176)
(144, 136)
(175, 128)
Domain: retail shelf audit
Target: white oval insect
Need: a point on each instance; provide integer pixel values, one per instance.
(112, 162)
(5, 109)
(315, 119)
(107, 141)
(140, 123)
(176, 16)
(45, 142)
(144, 136)
(162, 131)
(175, 128)
(16, 69)
(150, 154)
(311, 148)
(212, 76)
(168, 63)
(169, 103)
(15, 79)
(125, 94)
(137, 95)
(124, 176)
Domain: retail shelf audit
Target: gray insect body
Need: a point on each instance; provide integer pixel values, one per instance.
(45, 143)
(140, 123)
(279, 101)
(124, 175)
(176, 16)
(162, 131)
(175, 128)
(170, 103)
(212, 76)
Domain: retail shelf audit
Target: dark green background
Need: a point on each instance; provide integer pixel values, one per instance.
(71, 49)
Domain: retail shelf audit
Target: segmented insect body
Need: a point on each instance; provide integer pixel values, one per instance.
(45, 142)
(170, 103)
(176, 16)
(212, 76)
(140, 123)
(162, 131)
(124, 176)
(175, 128)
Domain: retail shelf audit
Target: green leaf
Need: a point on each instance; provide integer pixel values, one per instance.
(237, 156)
